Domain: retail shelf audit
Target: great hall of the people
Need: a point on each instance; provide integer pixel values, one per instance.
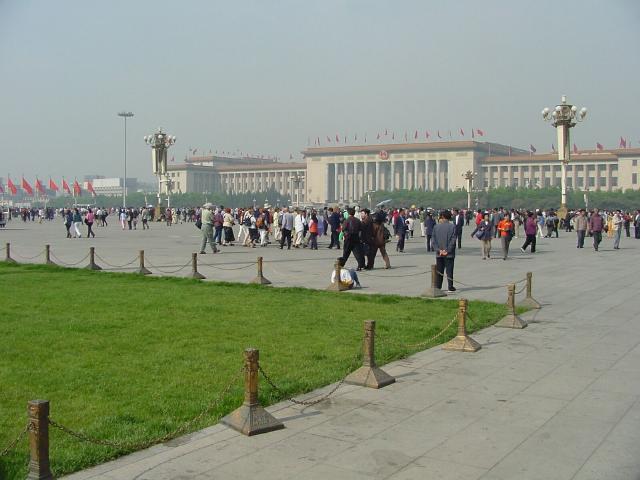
(343, 174)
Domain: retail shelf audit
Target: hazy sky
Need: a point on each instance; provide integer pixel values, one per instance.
(263, 76)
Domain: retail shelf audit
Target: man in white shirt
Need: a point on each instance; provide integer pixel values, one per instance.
(348, 278)
(298, 225)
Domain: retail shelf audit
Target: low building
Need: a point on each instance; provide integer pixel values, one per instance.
(111, 187)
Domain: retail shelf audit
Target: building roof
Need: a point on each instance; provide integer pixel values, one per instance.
(266, 166)
(488, 147)
(581, 156)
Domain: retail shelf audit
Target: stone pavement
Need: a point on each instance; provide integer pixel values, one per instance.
(557, 400)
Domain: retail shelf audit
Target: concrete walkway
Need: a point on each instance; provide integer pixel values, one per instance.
(557, 400)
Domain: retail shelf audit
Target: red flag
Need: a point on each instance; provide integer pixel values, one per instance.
(26, 187)
(1, 188)
(90, 188)
(623, 143)
(462, 132)
(532, 149)
(76, 188)
(39, 186)
(53, 186)
(599, 146)
(439, 136)
(427, 134)
(12, 187)
(575, 148)
(65, 186)
(479, 132)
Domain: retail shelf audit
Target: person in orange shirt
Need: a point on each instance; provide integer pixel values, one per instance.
(313, 232)
(506, 229)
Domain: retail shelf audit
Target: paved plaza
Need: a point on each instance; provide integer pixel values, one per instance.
(557, 400)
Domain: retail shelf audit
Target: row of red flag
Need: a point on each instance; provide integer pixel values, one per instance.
(39, 187)
(407, 136)
(599, 147)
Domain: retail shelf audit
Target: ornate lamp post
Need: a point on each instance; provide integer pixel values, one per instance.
(296, 180)
(563, 117)
(125, 115)
(469, 176)
(159, 143)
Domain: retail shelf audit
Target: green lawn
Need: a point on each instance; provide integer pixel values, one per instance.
(129, 358)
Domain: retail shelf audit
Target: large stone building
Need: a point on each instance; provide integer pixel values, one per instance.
(344, 174)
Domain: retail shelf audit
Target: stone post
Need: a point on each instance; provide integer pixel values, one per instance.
(529, 301)
(92, 260)
(462, 342)
(369, 375)
(47, 255)
(251, 418)
(512, 320)
(260, 279)
(38, 411)
(194, 268)
(142, 270)
(433, 291)
(7, 257)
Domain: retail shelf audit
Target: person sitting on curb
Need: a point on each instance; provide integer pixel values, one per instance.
(348, 277)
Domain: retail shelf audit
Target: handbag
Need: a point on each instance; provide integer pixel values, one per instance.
(199, 224)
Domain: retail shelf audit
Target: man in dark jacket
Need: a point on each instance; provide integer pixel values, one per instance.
(352, 229)
(334, 221)
(444, 244)
(458, 222)
(596, 224)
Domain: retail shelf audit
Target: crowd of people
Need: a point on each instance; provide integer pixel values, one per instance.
(358, 231)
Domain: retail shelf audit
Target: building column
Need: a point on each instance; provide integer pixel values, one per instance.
(393, 176)
(365, 177)
(405, 178)
(376, 178)
(344, 182)
(354, 181)
(437, 174)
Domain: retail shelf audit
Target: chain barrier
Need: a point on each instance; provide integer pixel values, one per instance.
(168, 272)
(393, 276)
(216, 266)
(14, 252)
(68, 264)
(308, 403)
(518, 292)
(445, 277)
(15, 442)
(147, 443)
(424, 343)
(136, 258)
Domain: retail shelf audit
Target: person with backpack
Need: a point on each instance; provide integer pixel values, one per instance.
(484, 233)
(378, 240)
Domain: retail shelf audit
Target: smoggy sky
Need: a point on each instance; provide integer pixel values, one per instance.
(265, 76)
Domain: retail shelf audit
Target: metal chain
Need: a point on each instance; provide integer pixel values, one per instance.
(69, 264)
(147, 443)
(520, 291)
(116, 266)
(168, 272)
(424, 343)
(15, 442)
(308, 403)
(13, 251)
(473, 286)
(393, 276)
(216, 266)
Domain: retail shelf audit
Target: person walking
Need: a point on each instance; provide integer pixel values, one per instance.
(458, 222)
(88, 220)
(218, 221)
(506, 229)
(123, 218)
(618, 222)
(206, 217)
(299, 224)
(444, 245)
(334, 221)
(581, 223)
(400, 224)
(68, 221)
(77, 222)
(376, 241)
(145, 218)
(484, 233)
(227, 226)
(530, 232)
(429, 223)
(286, 225)
(313, 232)
(352, 243)
(596, 225)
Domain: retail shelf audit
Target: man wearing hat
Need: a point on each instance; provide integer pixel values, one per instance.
(207, 228)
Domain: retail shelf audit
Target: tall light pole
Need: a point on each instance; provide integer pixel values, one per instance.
(125, 115)
(159, 143)
(563, 117)
(469, 176)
